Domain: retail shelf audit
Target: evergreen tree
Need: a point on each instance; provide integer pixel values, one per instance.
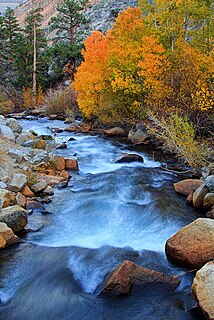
(67, 24)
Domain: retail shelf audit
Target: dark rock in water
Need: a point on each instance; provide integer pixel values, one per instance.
(56, 130)
(62, 146)
(33, 227)
(45, 137)
(71, 139)
(35, 206)
(121, 280)
(128, 157)
(116, 131)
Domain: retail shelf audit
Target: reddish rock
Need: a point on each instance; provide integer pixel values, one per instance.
(20, 200)
(2, 242)
(6, 198)
(210, 214)
(65, 174)
(121, 280)
(27, 192)
(187, 186)
(58, 162)
(71, 164)
(7, 234)
(189, 199)
(193, 245)
(208, 201)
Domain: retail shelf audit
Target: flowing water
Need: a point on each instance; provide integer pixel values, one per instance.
(108, 213)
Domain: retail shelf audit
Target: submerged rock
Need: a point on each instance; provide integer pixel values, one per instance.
(15, 217)
(121, 280)
(193, 245)
(129, 157)
(187, 186)
(203, 289)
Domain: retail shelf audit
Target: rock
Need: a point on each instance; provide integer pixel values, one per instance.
(16, 154)
(40, 157)
(28, 144)
(7, 234)
(203, 289)
(198, 196)
(71, 164)
(35, 206)
(5, 179)
(208, 201)
(14, 125)
(64, 174)
(138, 137)
(121, 280)
(7, 133)
(20, 200)
(45, 137)
(116, 131)
(23, 137)
(189, 199)
(63, 145)
(53, 180)
(26, 191)
(18, 182)
(207, 171)
(48, 191)
(210, 214)
(2, 242)
(58, 162)
(15, 217)
(38, 187)
(193, 245)
(209, 183)
(187, 186)
(126, 157)
(6, 197)
(3, 185)
(56, 130)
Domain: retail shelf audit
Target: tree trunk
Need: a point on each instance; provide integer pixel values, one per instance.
(34, 66)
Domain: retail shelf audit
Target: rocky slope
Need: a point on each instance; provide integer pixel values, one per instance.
(101, 13)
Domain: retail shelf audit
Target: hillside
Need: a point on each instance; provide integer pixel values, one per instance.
(101, 12)
(12, 4)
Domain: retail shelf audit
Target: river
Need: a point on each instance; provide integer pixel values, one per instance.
(108, 213)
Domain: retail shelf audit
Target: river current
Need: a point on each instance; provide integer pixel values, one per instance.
(108, 213)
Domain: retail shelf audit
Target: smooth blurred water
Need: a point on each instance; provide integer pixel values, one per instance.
(109, 212)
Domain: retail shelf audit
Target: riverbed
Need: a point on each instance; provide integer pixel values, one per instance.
(108, 213)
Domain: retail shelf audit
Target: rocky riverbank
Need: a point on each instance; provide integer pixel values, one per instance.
(29, 169)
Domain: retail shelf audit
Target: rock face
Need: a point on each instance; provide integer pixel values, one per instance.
(121, 280)
(15, 217)
(187, 186)
(126, 157)
(18, 182)
(198, 196)
(193, 245)
(116, 131)
(203, 289)
(7, 133)
(7, 234)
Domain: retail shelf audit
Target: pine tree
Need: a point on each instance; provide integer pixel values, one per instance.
(67, 24)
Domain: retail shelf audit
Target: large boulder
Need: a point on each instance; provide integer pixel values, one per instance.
(40, 157)
(193, 245)
(18, 182)
(24, 136)
(7, 133)
(116, 131)
(15, 217)
(121, 280)
(209, 182)
(203, 289)
(208, 201)
(187, 186)
(6, 197)
(7, 234)
(14, 125)
(138, 137)
(129, 157)
(198, 196)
